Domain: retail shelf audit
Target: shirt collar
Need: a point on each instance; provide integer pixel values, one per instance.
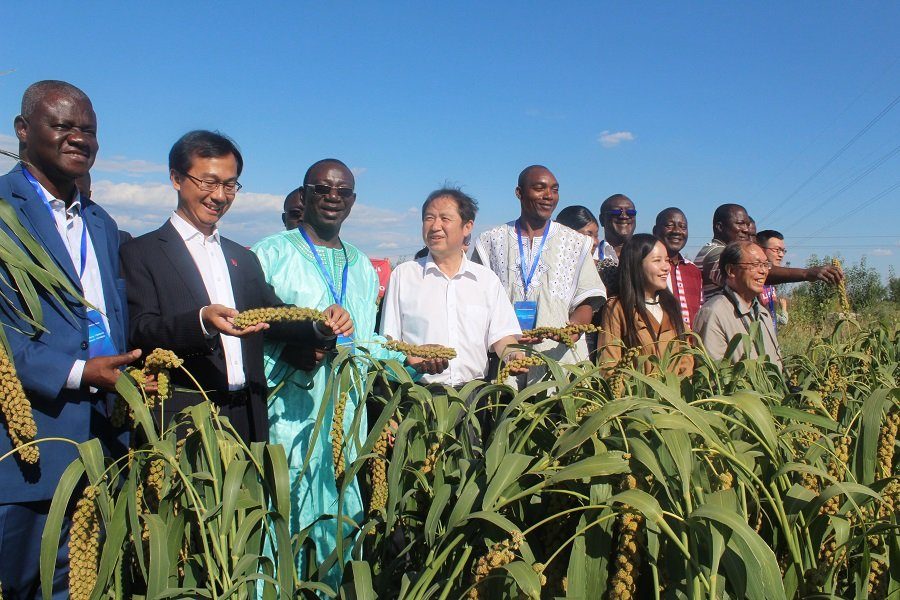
(430, 266)
(189, 232)
(741, 305)
(59, 205)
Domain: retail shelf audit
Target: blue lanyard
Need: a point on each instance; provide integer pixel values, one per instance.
(600, 249)
(771, 300)
(329, 280)
(40, 192)
(526, 281)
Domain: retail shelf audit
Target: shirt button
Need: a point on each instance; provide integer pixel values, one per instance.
(84, 345)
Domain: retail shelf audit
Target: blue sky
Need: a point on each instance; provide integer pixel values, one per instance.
(685, 104)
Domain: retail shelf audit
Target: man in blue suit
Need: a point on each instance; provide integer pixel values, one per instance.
(66, 370)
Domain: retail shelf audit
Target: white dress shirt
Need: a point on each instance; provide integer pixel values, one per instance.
(468, 312)
(70, 225)
(210, 260)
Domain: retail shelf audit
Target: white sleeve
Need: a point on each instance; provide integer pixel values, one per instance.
(503, 316)
(391, 323)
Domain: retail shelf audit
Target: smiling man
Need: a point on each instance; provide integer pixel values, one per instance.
(66, 369)
(685, 281)
(618, 217)
(314, 266)
(186, 283)
(745, 267)
(545, 268)
(444, 298)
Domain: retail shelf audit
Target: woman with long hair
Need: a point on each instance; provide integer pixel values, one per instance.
(645, 315)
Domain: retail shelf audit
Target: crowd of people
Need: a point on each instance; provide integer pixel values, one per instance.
(180, 287)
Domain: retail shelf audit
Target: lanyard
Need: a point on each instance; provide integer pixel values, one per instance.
(329, 280)
(770, 298)
(526, 280)
(40, 192)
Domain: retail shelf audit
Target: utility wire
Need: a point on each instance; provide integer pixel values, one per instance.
(836, 155)
(855, 210)
(883, 159)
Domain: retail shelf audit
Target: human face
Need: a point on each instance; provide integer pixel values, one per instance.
(201, 208)
(592, 230)
(736, 228)
(443, 230)
(539, 196)
(60, 138)
(748, 278)
(673, 232)
(656, 269)
(327, 212)
(775, 251)
(618, 229)
(293, 210)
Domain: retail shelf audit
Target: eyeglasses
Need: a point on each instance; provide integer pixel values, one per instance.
(211, 185)
(781, 251)
(325, 190)
(756, 266)
(618, 212)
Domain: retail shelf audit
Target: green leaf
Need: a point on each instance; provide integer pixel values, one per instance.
(52, 534)
(607, 463)
(759, 560)
(511, 467)
(526, 578)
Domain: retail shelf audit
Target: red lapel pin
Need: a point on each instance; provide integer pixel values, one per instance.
(234, 262)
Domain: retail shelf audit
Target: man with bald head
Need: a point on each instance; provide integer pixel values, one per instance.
(731, 223)
(685, 281)
(314, 266)
(293, 210)
(545, 268)
(67, 369)
(737, 310)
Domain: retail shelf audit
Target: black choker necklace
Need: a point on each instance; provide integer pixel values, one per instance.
(652, 302)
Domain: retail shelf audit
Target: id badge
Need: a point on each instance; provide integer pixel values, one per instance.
(99, 343)
(343, 340)
(526, 313)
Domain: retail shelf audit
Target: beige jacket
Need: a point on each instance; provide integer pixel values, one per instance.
(724, 316)
(613, 331)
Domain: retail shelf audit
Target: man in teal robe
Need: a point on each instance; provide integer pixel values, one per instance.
(313, 267)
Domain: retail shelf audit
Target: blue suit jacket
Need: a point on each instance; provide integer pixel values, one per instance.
(44, 360)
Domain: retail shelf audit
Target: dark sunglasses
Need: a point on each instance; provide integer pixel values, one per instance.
(618, 212)
(325, 190)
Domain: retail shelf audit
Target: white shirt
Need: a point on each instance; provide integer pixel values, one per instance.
(606, 252)
(210, 260)
(70, 225)
(468, 312)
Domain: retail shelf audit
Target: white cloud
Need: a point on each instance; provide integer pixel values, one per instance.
(611, 139)
(142, 207)
(121, 164)
(358, 171)
(882, 252)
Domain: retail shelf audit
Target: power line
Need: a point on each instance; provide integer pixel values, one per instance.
(836, 155)
(822, 132)
(856, 209)
(871, 168)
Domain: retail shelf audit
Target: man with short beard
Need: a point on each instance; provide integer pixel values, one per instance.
(685, 280)
(545, 268)
(737, 308)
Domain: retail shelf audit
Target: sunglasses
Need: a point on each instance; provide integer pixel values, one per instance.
(325, 190)
(618, 212)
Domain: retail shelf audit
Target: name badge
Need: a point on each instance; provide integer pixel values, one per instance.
(99, 343)
(343, 340)
(526, 313)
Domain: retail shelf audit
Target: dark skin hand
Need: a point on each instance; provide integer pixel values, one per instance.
(102, 372)
(829, 274)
